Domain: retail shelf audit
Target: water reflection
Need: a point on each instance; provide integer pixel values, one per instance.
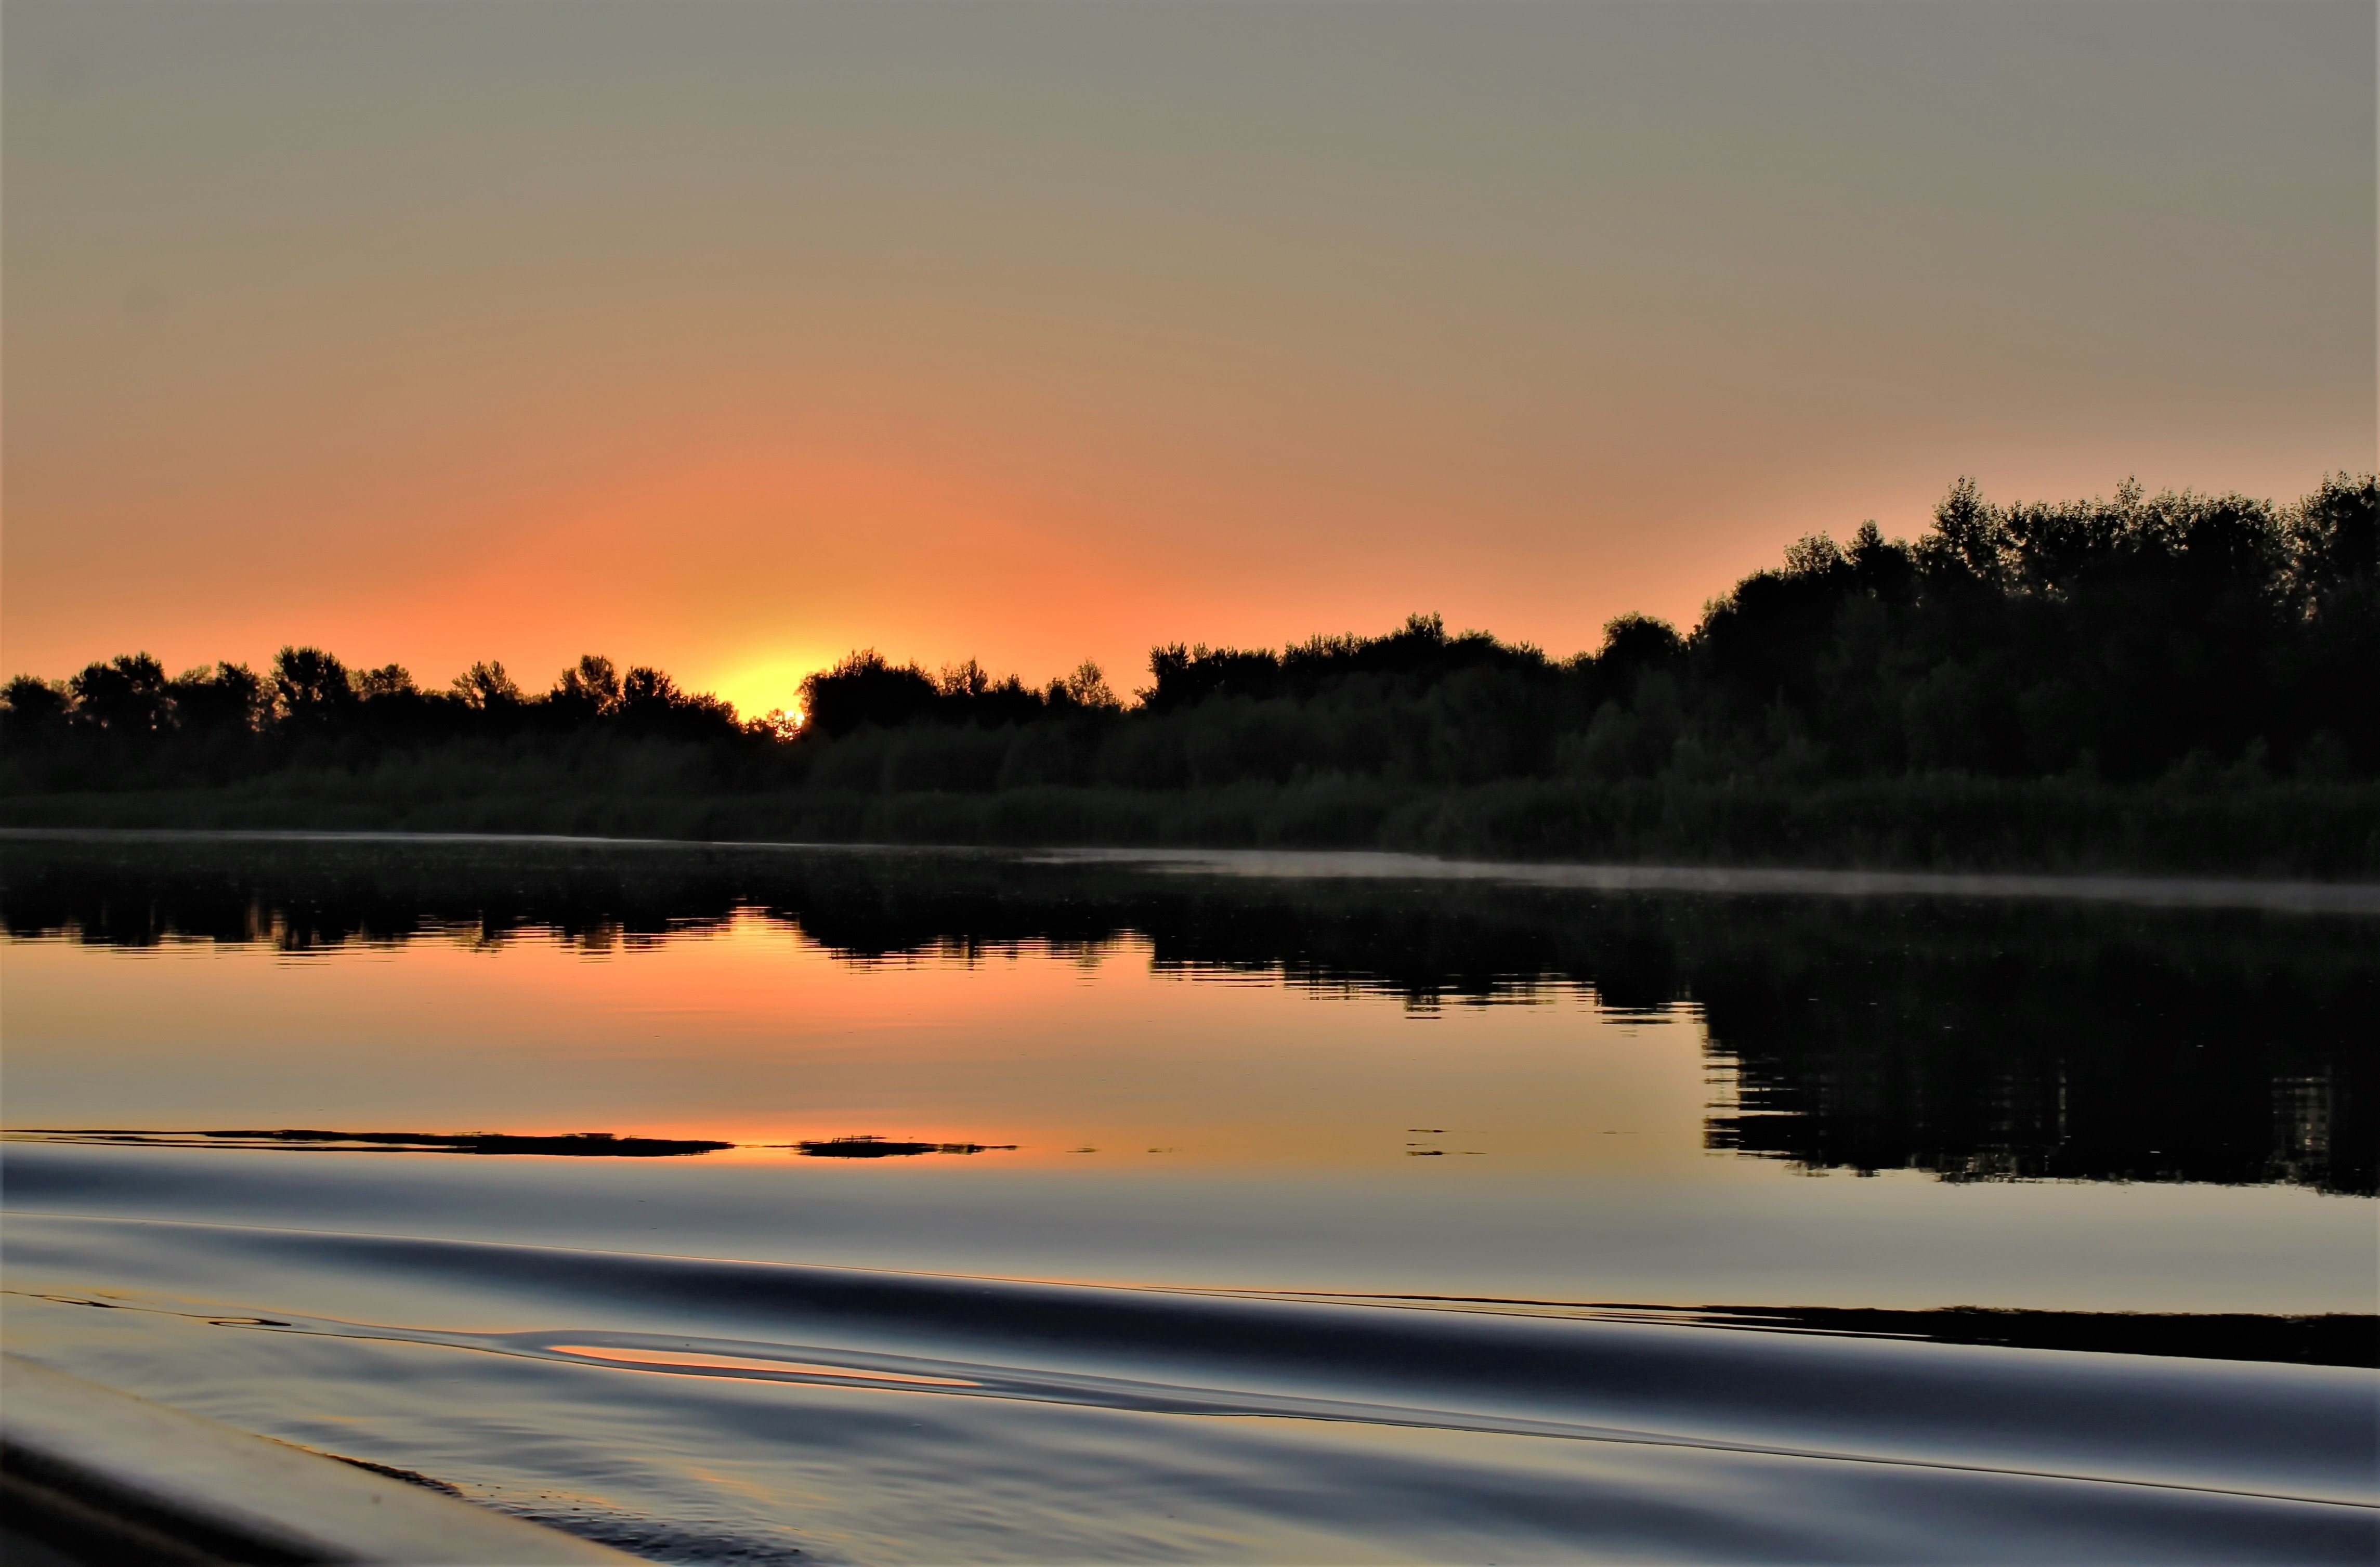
(1977, 1041)
(2075, 1053)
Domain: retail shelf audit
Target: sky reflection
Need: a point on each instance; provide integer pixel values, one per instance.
(754, 1034)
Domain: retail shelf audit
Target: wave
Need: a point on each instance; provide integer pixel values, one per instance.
(2299, 1433)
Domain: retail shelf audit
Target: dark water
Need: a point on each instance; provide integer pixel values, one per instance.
(965, 1207)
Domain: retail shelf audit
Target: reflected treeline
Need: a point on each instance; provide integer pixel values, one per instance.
(1979, 1041)
(2006, 689)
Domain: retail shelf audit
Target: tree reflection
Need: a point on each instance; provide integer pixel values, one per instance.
(1976, 1041)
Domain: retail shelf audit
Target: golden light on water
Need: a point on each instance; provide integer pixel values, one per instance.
(685, 1360)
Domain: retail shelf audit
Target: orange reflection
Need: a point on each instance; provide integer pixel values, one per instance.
(751, 1033)
(670, 1360)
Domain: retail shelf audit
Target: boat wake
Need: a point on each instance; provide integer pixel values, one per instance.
(753, 1408)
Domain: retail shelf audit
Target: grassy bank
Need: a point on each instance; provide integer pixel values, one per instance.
(2325, 830)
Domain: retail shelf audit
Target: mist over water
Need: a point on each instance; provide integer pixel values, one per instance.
(1345, 1210)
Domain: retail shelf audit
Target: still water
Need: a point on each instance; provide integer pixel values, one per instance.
(974, 1206)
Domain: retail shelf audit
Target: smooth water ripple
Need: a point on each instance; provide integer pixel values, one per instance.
(1534, 1435)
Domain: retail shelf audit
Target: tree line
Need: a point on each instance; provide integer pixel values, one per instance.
(2123, 640)
(2126, 639)
(309, 692)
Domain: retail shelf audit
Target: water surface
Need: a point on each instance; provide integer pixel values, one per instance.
(962, 1206)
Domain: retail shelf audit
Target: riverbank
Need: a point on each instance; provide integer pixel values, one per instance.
(2227, 826)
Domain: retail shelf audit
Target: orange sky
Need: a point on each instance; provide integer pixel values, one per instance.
(729, 337)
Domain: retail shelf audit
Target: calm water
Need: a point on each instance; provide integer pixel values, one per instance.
(1348, 1215)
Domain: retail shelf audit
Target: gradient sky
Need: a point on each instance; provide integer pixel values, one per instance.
(728, 337)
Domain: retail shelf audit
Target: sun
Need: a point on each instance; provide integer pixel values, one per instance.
(770, 683)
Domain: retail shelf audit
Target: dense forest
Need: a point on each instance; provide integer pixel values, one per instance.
(2168, 681)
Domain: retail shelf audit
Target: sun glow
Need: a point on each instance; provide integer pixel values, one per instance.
(769, 684)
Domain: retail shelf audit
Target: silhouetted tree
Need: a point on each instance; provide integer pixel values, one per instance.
(1184, 676)
(1637, 645)
(388, 680)
(2335, 590)
(651, 703)
(34, 708)
(311, 690)
(1086, 690)
(863, 689)
(125, 696)
(588, 690)
(486, 687)
(224, 698)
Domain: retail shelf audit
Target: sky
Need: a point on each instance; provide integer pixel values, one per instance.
(729, 337)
